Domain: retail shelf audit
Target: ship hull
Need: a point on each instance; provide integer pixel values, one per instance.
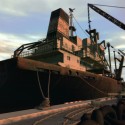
(21, 80)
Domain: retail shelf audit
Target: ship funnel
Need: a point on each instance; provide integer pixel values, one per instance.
(58, 25)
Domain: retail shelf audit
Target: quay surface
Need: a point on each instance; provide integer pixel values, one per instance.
(55, 114)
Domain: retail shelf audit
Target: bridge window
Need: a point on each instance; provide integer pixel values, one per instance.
(68, 57)
(70, 72)
(78, 61)
(73, 48)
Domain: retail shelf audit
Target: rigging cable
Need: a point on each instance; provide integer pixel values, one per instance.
(80, 26)
(75, 30)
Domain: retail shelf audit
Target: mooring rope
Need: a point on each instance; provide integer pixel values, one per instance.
(41, 90)
(93, 86)
(49, 84)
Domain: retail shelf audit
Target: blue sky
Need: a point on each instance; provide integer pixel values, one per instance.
(23, 21)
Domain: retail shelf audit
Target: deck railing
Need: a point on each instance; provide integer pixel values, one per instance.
(49, 47)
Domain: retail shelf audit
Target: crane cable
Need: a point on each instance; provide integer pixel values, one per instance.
(109, 6)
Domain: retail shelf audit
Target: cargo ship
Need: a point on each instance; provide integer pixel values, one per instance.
(58, 69)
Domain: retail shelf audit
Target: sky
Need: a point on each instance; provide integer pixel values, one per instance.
(23, 21)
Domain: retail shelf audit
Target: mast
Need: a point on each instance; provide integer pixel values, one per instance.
(71, 27)
(110, 67)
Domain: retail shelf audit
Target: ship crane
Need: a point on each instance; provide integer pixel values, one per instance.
(118, 71)
(106, 15)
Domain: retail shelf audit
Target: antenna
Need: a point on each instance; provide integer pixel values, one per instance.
(71, 27)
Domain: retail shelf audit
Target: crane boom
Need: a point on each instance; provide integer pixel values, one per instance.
(107, 16)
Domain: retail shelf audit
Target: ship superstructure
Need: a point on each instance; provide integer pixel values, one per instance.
(62, 48)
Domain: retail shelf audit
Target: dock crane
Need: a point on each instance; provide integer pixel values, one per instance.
(121, 25)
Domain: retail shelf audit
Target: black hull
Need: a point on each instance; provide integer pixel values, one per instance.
(19, 86)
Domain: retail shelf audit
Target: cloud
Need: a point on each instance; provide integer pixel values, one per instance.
(11, 7)
(4, 56)
(13, 12)
(41, 8)
(122, 37)
(122, 46)
(22, 7)
(20, 38)
(116, 38)
(25, 7)
(10, 42)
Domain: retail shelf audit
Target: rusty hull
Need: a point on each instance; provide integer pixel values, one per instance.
(19, 88)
